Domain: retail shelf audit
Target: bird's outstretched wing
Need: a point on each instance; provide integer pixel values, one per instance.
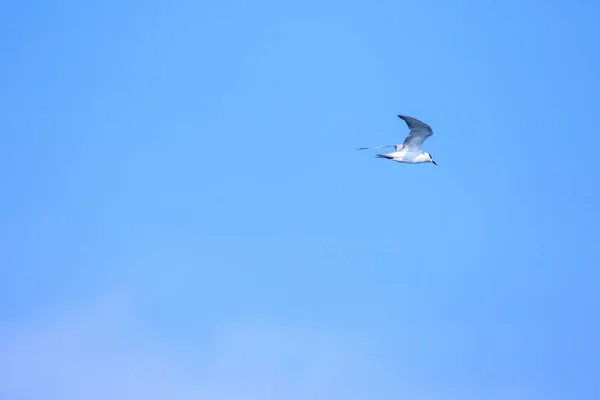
(376, 147)
(397, 147)
(419, 132)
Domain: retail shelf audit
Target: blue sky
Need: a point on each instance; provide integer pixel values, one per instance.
(184, 212)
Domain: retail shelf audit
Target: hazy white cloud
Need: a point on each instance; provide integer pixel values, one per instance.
(100, 351)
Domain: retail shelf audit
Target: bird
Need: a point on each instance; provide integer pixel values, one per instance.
(411, 151)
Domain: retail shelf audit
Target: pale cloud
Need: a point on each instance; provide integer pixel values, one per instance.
(100, 351)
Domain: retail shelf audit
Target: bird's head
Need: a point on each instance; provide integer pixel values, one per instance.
(431, 159)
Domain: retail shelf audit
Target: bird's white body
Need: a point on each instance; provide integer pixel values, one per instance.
(411, 151)
(405, 156)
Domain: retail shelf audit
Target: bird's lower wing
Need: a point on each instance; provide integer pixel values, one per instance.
(377, 147)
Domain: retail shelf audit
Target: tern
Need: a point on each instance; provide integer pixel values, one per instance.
(411, 151)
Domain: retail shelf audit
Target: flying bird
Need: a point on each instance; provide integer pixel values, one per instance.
(411, 151)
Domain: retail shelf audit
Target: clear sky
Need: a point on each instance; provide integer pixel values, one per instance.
(184, 215)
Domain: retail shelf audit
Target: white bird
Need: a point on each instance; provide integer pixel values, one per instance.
(411, 151)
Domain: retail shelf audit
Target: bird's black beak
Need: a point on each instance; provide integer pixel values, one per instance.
(434, 163)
